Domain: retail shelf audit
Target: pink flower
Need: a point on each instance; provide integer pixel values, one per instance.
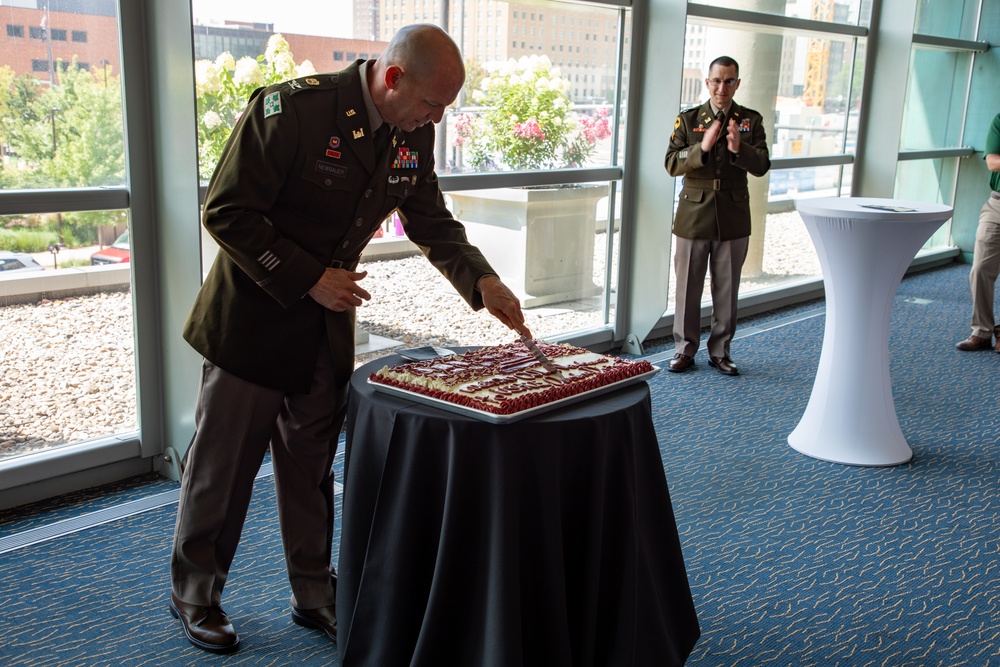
(594, 128)
(529, 129)
(463, 128)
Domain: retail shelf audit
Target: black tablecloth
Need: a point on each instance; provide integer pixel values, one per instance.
(549, 541)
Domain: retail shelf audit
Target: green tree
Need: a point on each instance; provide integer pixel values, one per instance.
(66, 136)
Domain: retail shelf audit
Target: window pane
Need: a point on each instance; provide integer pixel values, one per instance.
(810, 87)
(808, 90)
(851, 12)
(933, 115)
(533, 105)
(60, 99)
(956, 18)
(65, 322)
(66, 332)
(930, 181)
(556, 262)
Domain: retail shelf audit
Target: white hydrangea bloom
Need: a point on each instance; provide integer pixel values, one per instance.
(211, 120)
(305, 68)
(247, 72)
(206, 76)
(225, 61)
(284, 65)
(275, 44)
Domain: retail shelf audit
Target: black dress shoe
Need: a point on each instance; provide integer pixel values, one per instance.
(974, 343)
(324, 618)
(680, 363)
(724, 365)
(208, 628)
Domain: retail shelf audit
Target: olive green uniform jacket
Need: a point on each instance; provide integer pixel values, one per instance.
(297, 189)
(715, 201)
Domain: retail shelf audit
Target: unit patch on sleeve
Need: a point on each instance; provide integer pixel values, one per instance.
(272, 104)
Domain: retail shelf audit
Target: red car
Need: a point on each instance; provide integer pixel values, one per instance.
(116, 253)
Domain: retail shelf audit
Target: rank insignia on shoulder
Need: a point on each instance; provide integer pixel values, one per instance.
(272, 104)
(312, 82)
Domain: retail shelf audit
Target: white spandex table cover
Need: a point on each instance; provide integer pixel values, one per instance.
(863, 252)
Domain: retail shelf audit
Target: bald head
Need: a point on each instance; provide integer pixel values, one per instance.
(423, 51)
(417, 76)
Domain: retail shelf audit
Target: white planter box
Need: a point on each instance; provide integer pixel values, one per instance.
(540, 240)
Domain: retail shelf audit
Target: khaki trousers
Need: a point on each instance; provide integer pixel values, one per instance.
(985, 268)
(692, 259)
(236, 421)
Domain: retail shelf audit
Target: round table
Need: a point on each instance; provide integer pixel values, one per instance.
(546, 541)
(864, 246)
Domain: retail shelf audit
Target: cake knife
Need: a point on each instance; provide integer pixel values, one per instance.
(538, 354)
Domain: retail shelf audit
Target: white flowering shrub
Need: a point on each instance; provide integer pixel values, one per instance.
(526, 120)
(224, 86)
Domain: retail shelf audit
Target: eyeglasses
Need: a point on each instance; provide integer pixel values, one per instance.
(715, 83)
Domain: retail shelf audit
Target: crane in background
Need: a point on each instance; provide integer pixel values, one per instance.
(818, 57)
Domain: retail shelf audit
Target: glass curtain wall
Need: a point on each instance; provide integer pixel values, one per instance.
(66, 311)
(934, 108)
(529, 155)
(803, 74)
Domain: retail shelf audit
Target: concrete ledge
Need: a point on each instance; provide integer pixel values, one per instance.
(389, 248)
(34, 286)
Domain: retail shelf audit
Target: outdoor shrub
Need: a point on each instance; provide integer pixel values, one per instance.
(26, 240)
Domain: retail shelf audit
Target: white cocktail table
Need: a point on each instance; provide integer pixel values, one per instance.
(863, 252)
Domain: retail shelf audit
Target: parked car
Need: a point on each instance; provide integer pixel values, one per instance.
(116, 253)
(17, 261)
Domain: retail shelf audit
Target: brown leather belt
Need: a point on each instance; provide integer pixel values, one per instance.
(715, 183)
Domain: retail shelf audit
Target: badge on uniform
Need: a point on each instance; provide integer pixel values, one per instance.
(745, 125)
(334, 142)
(359, 133)
(405, 159)
(272, 104)
(332, 153)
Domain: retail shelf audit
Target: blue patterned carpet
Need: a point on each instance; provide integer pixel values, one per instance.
(792, 561)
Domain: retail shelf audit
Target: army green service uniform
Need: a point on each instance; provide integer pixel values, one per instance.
(300, 187)
(712, 222)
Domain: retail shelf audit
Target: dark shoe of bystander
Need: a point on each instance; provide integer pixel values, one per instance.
(724, 365)
(680, 363)
(974, 343)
